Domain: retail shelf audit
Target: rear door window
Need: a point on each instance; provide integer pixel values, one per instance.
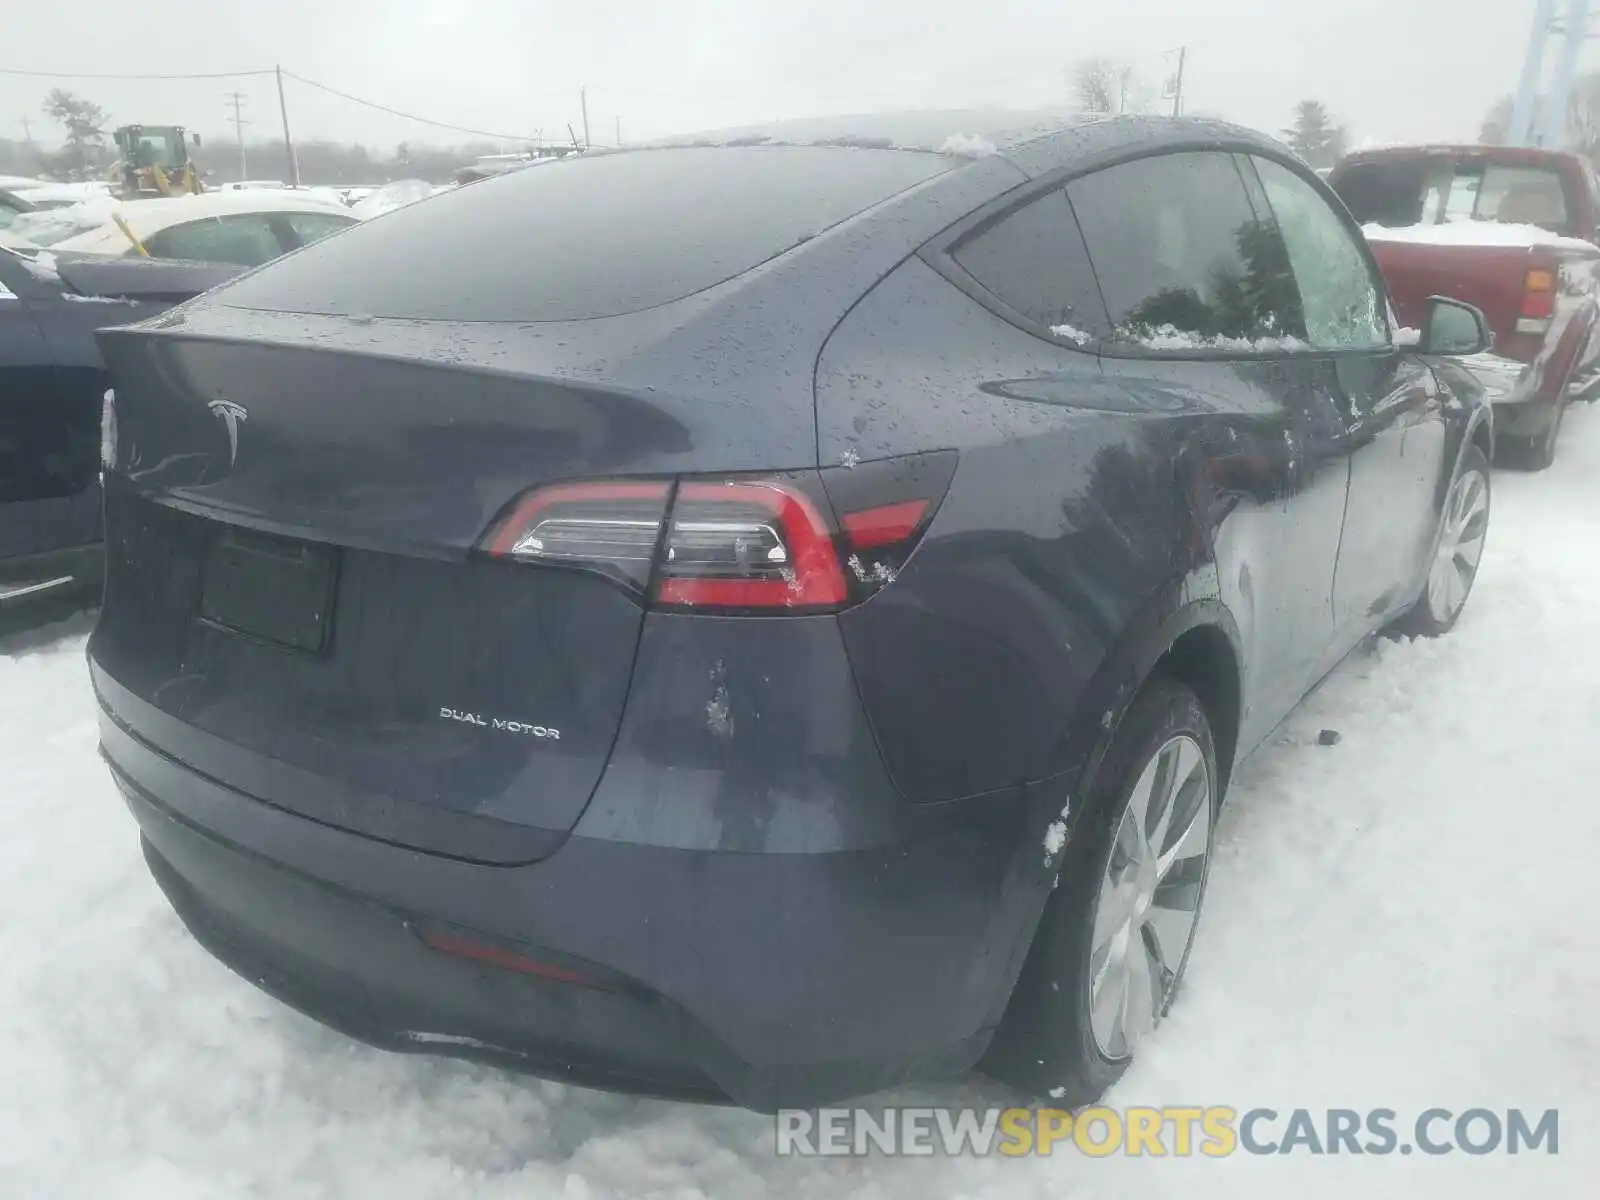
(1033, 260)
(246, 239)
(1184, 261)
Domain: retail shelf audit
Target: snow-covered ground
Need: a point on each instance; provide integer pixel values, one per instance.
(1404, 920)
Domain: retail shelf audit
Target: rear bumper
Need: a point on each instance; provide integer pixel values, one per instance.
(766, 979)
(1518, 392)
(1507, 383)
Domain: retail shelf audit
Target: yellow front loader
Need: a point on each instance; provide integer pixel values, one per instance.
(155, 161)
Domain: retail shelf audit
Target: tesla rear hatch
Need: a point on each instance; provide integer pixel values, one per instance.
(385, 516)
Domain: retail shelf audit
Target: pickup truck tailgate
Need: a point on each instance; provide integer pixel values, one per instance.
(1490, 277)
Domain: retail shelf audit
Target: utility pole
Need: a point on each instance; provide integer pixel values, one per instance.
(583, 100)
(619, 131)
(236, 102)
(1177, 87)
(288, 142)
(1521, 131)
(1574, 30)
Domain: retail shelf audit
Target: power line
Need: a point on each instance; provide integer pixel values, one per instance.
(91, 75)
(333, 91)
(395, 112)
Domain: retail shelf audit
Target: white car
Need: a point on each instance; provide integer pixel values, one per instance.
(246, 229)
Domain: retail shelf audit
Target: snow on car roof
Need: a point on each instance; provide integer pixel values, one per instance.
(958, 131)
(1472, 233)
(149, 217)
(38, 191)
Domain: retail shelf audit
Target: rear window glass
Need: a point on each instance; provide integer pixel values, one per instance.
(585, 237)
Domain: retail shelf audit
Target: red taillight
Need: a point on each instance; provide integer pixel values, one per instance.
(747, 545)
(1539, 294)
(613, 528)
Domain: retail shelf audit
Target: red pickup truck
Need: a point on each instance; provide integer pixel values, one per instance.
(1512, 231)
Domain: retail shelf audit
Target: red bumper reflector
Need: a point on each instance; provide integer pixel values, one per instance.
(505, 960)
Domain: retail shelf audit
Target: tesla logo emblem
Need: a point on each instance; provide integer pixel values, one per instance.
(231, 414)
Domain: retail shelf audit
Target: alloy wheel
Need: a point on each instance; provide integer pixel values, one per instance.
(1455, 563)
(1149, 899)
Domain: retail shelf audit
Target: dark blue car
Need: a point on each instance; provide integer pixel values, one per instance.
(766, 618)
(52, 388)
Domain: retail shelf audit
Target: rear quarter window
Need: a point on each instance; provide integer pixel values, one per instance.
(1033, 260)
(586, 237)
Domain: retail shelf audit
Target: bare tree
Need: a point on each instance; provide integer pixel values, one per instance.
(1104, 85)
(1583, 115)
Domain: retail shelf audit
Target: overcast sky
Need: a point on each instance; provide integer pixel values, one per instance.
(1389, 69)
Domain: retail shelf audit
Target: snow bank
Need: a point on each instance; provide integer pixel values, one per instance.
(1473, 233)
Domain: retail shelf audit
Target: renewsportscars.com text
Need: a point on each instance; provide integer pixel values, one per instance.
(1174, 1131)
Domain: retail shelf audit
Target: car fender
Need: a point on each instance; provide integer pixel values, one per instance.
(1467, 411)
(1186, 604)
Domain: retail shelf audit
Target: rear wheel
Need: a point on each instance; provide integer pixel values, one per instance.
(1454, 567)
(1116, 933)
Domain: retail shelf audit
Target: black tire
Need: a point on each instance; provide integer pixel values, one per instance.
(1046, 1045)
(1427, 617)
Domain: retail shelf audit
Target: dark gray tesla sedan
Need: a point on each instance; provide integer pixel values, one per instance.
(771, 617)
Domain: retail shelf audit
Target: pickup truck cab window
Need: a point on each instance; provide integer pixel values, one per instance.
(1438, 188)
(1510, 195)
